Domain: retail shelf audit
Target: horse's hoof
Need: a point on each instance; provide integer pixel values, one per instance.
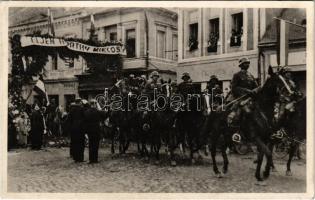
(261, 183)
(193, 161)
(288, 173)
(225, 171)
(219, 175)
(173, 163)
(157, 162)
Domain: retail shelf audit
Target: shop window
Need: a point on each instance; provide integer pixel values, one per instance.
(193, 36)
(161, 43)
(54, 98)
(131, 43)
(213, 35)
(237, 30)
(69, 98)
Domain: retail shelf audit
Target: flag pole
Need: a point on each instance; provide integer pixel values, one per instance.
(289, 22)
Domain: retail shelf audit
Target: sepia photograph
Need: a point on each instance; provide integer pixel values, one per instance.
(157, 99)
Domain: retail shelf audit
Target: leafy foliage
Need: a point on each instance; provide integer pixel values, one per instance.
(36, 58)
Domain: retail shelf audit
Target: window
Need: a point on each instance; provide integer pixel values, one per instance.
(174, 47)
(69, 98)
(303, 22)
(54, 61)
(111, 33)
(214, 33)
(237, 29)
(161, 44)
(54, 98)
(131, 43)
(69, 62)
(113, 36)
(193, 36)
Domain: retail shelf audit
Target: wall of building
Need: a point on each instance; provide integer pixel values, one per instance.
(223, 63)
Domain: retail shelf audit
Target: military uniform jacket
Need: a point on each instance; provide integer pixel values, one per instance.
(185, 88)
(242, 83)
(150, 86)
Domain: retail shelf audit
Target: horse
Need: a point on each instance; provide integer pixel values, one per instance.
(120, 117)
(189, 122)
(292, 124)
(163, 120)
(256, 120)
(214, 128)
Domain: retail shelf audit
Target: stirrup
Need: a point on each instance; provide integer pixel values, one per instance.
(278, 135)
(236, 137)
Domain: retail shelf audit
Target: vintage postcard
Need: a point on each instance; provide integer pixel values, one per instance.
(157, 100)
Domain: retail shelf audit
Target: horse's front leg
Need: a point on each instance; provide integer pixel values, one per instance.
(113, 132)
(224, 154)
(260, 157)
(292, 150)
(213, 151)
(271, 147)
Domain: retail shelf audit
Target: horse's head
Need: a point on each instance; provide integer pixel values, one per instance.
(281, 91)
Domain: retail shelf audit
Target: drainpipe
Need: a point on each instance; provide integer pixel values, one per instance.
(147, 43)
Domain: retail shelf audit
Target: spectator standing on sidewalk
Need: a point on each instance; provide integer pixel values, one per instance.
(76, 131)
(92, 119)
(23, 128)
(37, 128)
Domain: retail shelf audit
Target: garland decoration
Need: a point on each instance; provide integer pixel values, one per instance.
(36, 57)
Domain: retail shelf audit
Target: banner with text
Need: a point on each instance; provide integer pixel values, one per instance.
(75, 46)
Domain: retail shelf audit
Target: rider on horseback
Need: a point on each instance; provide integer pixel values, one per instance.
(185, 88)
(152, 86)
(243, 85)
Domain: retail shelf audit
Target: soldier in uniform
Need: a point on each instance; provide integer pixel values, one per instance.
(152, 84)
(75, 118)
(185, 87)
(92, 120)
(243, 82)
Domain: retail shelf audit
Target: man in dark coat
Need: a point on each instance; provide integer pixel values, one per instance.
(92, 120)
(77, 138)
(37, 128)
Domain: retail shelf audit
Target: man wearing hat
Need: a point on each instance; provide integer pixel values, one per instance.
(185, 87)
(92, 119)
(243, 82)
(37, 128)
(152, 84)
(77, 142)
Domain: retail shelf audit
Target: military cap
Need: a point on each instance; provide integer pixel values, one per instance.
(185, 74)
(243, 60)
(155, 73)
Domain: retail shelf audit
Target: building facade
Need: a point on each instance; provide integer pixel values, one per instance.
(139, 29)
(296, 61)
(212, 40)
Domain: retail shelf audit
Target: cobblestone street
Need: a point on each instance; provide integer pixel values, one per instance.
(52, 170)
